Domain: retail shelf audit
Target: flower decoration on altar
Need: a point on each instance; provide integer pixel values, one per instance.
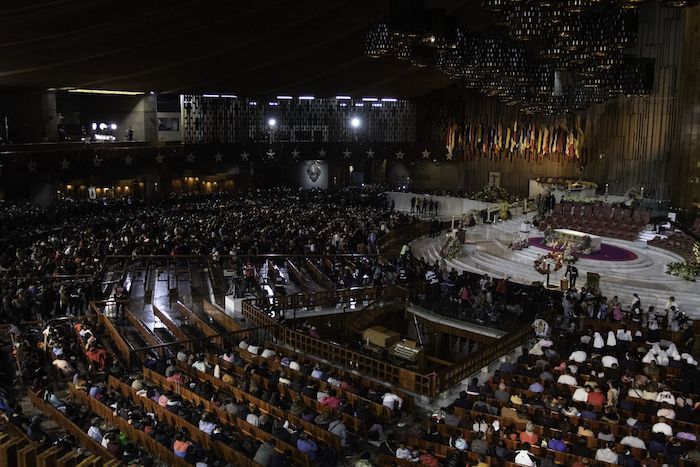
(493, 194)
(549, 263)
(451, 248)
(687, 270)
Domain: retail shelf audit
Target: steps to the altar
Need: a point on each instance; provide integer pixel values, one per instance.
(645, 275)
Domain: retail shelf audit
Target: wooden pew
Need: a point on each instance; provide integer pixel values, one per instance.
(383, 413)
(132, 433)
(222, 415)
(218, 315)
(123, 347)
(173, 328)
(318, 275)
(70, 427)
(315, 431)
(194, 319)
(222, 450)
(353, 424)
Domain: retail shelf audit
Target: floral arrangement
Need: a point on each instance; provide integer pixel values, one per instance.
(686, 270)
(575, 246)
(473, 217)
(451, 248)
(568, 183)
(493, 194)
(503, 210)
(550, 262)
(634, 196)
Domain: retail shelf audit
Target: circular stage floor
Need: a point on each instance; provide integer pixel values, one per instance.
(607, 252)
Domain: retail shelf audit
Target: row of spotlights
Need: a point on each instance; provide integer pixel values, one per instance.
(103, 126)
(355, 122)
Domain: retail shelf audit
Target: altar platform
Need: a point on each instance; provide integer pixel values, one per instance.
(625, 267)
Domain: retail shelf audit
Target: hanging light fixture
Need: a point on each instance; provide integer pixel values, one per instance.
(498, 6)
(678, 3)
(423, 56)
(579, 6)
(621, 28)
(378, 40)
(525, 22)
(402, 47)
(630, 4)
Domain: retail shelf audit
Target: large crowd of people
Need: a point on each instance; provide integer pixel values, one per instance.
(605, 380)
(51, 260)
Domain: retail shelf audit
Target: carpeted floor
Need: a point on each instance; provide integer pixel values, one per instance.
(606, 253)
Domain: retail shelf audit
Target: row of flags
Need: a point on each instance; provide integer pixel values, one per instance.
(528, 139)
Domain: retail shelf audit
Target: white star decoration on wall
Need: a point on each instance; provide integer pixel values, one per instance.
(295, 153)
(449, 155)
(128, 159)
(321, 153)
(426, 154)
(244, 156)
(160, 158)
(218, 157)
(97, 160)
(270, 155)
(31, 167)
(65, 164)
(399, 155)
(370, 154)
(347, 153)
(190, 158)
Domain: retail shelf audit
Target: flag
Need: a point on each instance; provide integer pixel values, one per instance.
(507, 141)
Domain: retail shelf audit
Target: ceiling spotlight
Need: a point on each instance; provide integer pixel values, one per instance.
(272, 123)
(103, 126)
(355, 122)
(113, 126)
(94, 126)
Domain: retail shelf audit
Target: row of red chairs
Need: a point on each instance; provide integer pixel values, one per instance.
(603, 220)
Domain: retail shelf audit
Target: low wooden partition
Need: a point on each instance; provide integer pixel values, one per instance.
(452, 375)
(355, 362)
(71, 428)
(106, 413)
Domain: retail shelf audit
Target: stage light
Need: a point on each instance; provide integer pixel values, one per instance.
(94, 126)
(355, 122)
(113, 126)
(106, 91)
(272, 123)
(103, 126)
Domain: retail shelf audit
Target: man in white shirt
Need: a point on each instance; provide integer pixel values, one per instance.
(389, 399)
(633, 440)
(567, 378)
(607, 454)
(578, 356)
(206, 425)
(666, 412)
(662, 427)
(580, 395)
(404, 453)
(609, 360)
(523, 456)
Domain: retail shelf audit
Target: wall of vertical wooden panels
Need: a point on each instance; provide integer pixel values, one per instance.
(630, 142)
